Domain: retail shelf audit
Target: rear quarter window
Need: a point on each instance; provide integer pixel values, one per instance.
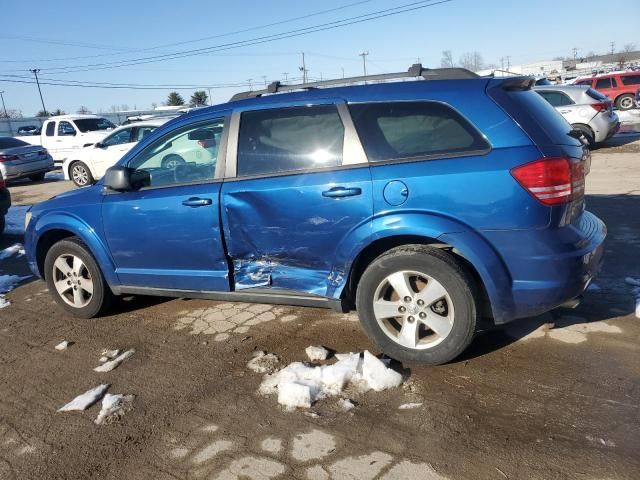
(402, 130)
(630, 79)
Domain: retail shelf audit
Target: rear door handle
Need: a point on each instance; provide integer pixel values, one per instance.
(341, 192)
(197, 202)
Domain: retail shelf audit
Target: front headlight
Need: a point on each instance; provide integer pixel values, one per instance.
(27, 219)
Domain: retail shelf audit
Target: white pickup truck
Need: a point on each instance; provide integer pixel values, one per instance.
(64, 134)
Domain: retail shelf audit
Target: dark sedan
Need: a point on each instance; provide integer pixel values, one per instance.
(19, 159)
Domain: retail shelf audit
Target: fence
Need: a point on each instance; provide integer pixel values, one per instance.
(9, 126)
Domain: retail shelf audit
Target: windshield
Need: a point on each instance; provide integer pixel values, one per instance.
(9, 142)
(92, 124)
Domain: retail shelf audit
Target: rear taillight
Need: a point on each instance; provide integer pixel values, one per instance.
(7, 158)
(552, 181)
(600, 106)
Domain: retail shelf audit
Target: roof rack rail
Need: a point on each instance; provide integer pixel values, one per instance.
(416, 70)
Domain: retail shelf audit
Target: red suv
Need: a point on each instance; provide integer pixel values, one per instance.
(622, 88)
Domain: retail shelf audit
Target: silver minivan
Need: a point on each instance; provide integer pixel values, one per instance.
(584, 108)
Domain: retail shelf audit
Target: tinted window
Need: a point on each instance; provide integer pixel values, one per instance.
(92, 124)
(51, 129)
(289, 139)
(65, 128)
(10, 142)
(186, 155)
(603, 83)
(556, 99)
(631, 79)
(118, 138)
(413, 129)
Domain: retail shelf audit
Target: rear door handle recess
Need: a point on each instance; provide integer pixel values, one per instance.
(341, 192)
(197, 202)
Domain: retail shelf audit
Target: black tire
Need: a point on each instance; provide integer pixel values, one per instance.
(625, 102)
(102, 296)
(172, 161)
(2, 224)
(38, 177)
(80, 174)
(440, 266)
(587, 133)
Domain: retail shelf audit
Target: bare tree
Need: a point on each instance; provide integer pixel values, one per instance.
(447, 59)
(471, 61)
(629, 47)
(83, 110)
(11, 113)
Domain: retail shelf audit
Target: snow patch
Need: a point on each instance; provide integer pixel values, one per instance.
(88, 398)
(299, 385)
(316, 353)
(346, 404)
(4, 302)
(15, 219)
(263, 362)
(14, 249)
(108, 355)
(113, 364)
(113, 406)
(410, 406)
(63, 345)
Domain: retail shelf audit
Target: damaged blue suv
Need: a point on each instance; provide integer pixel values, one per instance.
(426, 204)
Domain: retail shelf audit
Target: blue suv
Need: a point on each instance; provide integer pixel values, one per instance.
(427, 205)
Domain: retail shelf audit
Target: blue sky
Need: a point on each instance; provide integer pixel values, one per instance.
(112, 31)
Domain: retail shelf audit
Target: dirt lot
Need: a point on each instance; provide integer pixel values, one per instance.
(555, 397)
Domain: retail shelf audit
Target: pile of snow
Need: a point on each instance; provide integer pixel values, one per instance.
(635, 282)
(113, 364)
(113, 405)
(300, 384)
(15, 219)
(316, 353)
(84, 401)
(263, 362)
(11, 251)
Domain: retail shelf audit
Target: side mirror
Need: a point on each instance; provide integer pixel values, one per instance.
(125, 179)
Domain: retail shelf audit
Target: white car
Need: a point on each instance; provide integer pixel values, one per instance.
(88, 165)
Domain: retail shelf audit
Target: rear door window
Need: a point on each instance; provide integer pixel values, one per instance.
(555, 98)
(289, 139)
(402, 130)
(603, 83)
(51, 128)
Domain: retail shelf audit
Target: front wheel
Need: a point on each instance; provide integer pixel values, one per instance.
(75, 280)
(625, 102)
(417, 304)
(80, 174)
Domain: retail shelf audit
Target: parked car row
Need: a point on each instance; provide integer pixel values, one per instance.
(623, 88)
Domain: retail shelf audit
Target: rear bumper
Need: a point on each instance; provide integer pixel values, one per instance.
(14, 172)
(550, 266)
(604, 126)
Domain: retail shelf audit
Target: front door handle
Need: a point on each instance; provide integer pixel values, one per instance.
(197, 202)
(341, 192)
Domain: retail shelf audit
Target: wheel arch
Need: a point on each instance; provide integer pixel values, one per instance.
(59, 226)
(85, 162)
(479, 259)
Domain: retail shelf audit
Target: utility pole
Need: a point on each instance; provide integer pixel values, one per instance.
(613, 47)
(249, 81)
(286, 77)
(575, 53)
(35, 72)
(364, 64)
(6, 115)
(210, 97)
(342, 68)
(508, 63)
(264, 79)
(303, 69)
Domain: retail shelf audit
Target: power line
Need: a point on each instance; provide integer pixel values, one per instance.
(258, 40)
(258, 27)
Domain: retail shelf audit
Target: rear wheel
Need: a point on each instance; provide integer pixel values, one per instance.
(80, 174)
(587, 133)
(38, 177)
(75, 280)
(172, 161)
(417, 304)
(625, 102)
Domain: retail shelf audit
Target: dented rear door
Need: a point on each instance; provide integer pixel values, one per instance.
(298, 186)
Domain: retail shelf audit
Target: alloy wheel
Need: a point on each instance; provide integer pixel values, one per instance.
(413, 309)
(80, 175)
(72, 280)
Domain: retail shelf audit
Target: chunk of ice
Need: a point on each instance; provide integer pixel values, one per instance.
(294, 395)
(113, 405)
(409, 406)
(4, 302)
(112, 364)
(316, 353)
(346, 404)
(263, 362)
(88, 398)
(63, 345)
(377, 375)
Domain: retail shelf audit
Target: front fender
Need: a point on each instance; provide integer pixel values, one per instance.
(470, 244)
(75, 225)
